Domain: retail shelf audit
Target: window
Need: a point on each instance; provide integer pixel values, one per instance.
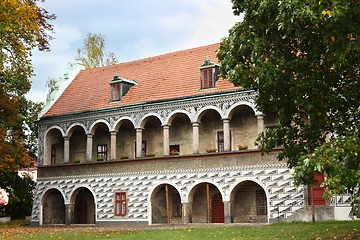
(261, 206)
(102, 151)
(115, 92)
(177, 208)
(207, 78)
(209, 74)
(220, 141)
(119, 87)
(53, 155)
(120, 204)
(143, 148)
(174, 149)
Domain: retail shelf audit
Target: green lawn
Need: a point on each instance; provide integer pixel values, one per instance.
(297, 230)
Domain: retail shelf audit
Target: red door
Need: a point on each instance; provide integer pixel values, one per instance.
(217, 209)
(317, 191)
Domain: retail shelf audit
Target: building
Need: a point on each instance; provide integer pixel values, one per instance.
(131, 144)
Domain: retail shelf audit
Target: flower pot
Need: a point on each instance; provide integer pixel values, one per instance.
(5, 219)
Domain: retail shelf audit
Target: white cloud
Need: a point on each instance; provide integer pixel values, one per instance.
(217, 19)
(52, 64)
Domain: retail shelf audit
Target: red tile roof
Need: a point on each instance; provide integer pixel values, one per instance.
(166, 76)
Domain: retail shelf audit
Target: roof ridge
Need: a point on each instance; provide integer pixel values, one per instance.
(153, 57)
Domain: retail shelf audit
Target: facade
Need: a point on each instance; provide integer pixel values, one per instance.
(157, 141)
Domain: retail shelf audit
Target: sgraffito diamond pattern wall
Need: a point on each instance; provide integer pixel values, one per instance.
(283, 197)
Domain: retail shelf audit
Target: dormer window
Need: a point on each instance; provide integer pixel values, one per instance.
(119, 87)
(207, 78)
(209, 74)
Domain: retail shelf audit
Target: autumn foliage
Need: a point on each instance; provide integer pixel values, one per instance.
(23, 27)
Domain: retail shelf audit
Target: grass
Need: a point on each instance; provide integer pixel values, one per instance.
(296, 230)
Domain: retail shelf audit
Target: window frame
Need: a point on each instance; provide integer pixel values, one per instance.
(261, 202)
(219, 141)
(122, 202)
(115, 92)
(207, 78)
(102, 153)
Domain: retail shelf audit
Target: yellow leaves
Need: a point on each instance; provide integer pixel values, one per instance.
(326, 13)
(355, 153)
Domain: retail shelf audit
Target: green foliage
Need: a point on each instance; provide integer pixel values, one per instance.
(303, 58)
(21, 192)
(93, 54)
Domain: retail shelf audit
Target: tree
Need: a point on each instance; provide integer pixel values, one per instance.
(303, 58)
(93, 55)
(21, 194)
(23, 27)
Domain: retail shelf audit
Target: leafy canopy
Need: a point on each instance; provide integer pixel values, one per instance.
(23, 27)
(303, 57)
(93, 55)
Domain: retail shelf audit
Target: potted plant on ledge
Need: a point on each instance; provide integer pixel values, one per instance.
(211, 149)
(124, 156)
(150, 154)
(99, 159)
(174, 152)
(77, 161)
(241, 147)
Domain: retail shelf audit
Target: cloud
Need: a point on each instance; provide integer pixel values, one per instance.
(52, 64)
(214, 24)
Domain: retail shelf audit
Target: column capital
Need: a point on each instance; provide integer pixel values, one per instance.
(195, 124)
(226, 119)
(260, 114)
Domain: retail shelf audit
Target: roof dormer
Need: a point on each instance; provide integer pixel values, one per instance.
(209, 74)
(119, 87)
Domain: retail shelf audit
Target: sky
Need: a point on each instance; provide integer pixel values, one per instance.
(133, 29)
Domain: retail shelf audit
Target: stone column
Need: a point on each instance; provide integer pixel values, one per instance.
(227, 212)
(138, 142)
(260, 123)
(89, 147)
(166, 140)
(195, 126)
(185, 213)
(113, 145)
(226, 129)
(68, 214)
(66, 149)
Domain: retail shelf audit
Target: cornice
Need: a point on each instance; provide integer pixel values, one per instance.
(195, 101)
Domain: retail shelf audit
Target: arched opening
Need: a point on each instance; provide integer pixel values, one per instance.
(249, 203)
(243, 127)
(166, 205)
(125, 140)
(77, 144)
(180, 135)
(210, 130)
(101, 142)
(152, 137)
(207, 205)
(54, 148)
(53, 207)
(84, 207)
